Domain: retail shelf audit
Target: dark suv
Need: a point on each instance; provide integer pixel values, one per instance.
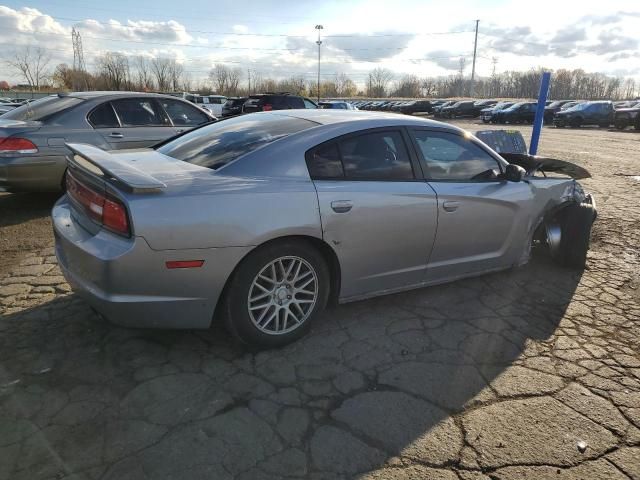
(625, 117)
(233, 106)
(587, 113)
(265, 102)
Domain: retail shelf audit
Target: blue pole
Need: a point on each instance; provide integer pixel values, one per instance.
(537, 123)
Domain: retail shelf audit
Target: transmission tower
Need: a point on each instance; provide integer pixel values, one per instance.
(79, 69)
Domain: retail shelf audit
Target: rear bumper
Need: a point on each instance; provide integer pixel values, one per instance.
(128, 282)
(32, 174)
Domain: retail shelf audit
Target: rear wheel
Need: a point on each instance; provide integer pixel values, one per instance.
(621, 123)
(275, 294)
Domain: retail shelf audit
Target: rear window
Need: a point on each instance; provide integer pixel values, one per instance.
(216, 145)
(42, 108)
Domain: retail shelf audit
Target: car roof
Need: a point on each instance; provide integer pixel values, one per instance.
(98, 94)
(327, 117)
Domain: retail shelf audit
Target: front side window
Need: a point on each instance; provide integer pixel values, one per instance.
(310, 104)
(452, 157)
(103, 117)
(295, 102)
(139, 112)
(215, 145)
(182, 113)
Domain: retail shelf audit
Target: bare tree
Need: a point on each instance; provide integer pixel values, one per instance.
(176, 70)
(233, 81)
(161, 70)
(378, 81)
(31, 63)
(144, 77)
(345, 87)
(219, 76)
(113, 67)
(408, 86)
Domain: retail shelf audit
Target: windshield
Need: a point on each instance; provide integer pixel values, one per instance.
(515, 106)
(215, 145)
(42, 108)
(578, 107)
(554, 104)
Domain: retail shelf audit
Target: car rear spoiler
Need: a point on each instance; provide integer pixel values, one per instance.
(110, 166)
(534, 163)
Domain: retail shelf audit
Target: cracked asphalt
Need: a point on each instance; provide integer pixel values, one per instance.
(528, 373)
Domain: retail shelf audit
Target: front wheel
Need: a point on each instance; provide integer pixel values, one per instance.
(574, 232)
(275, 294)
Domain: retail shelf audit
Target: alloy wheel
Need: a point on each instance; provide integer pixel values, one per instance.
(282, 295)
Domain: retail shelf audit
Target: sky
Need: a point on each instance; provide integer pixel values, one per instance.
(277, 38)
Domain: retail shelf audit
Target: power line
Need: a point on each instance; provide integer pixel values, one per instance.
(349, 35)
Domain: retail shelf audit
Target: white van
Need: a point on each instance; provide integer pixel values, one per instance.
(213, 103)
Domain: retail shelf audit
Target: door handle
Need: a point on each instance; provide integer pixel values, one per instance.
(341, 206)
(116, 135)
(450, 206)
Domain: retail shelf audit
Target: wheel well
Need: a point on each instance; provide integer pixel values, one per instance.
(325, 250)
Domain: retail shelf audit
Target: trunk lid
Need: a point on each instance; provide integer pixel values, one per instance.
(10, 127)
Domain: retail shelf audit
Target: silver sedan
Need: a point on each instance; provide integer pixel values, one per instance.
(263, 219)
(33, 136)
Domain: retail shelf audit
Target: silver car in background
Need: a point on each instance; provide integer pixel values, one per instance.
(33, 136)
(262, 219)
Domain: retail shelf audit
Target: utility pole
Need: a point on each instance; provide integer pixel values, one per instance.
(79, 68)
(319, 42)
(473, 68)
(249, 80)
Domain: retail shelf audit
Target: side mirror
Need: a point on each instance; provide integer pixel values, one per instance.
(514, 173)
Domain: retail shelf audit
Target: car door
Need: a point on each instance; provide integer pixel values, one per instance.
(142, 124)
(376, 211)
(483, 221)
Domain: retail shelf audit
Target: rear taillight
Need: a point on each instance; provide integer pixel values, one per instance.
(267, 107)
(17, 145)
(105, 210)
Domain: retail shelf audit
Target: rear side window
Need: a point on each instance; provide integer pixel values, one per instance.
(324, 162)
(295, 102)
(42, 109)
(138, 112)
(103, 117)
(376, 156)
(215, 145)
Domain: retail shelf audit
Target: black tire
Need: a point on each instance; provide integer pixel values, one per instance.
(237, 317)
(621, 124)
(575, 223)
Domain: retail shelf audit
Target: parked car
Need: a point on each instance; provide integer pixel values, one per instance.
(212, 103)
(417, 106)
(265, 102)
(627, 117)
(7, 106)
(464, 108)
(553, 108)
(260, 220)
(521, 112)
(599, 113)
(486, 114)
(33, 136)
(337, 104)
(233, 106)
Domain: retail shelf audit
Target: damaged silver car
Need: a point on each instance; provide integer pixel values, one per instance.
(263, 219)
